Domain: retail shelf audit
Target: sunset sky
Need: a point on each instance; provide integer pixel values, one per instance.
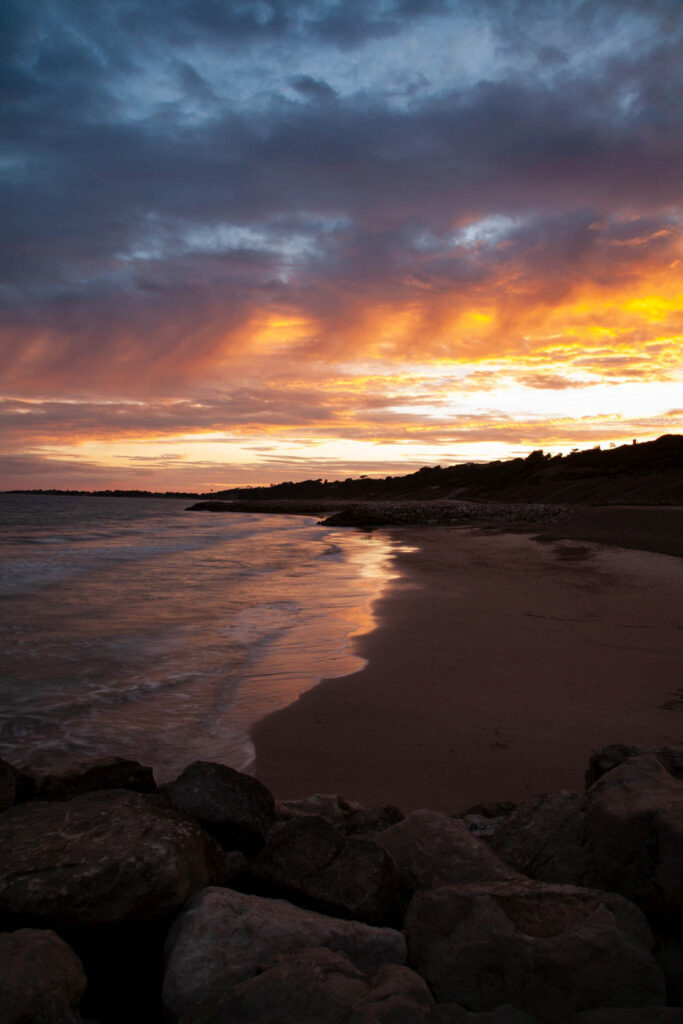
(259, 240)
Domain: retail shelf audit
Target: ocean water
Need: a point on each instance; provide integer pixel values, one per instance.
(131, 626)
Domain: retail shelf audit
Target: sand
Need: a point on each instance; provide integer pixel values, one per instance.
(497, 666)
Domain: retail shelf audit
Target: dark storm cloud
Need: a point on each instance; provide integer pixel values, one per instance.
(133, 158)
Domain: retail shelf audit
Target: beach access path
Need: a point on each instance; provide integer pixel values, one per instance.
(499, 663)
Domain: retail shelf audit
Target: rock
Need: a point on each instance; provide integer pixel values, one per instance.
(547, 838)
(550, 950)
(334, 809)
(101, 858)
(312, 863)
(312, 986)
(8, 785)
(41, 978)
(489, 809)
(451, 1013)
(635, 814)
(222, 937)
(372, 820)
(431, 849)
(669, 955)
(235, 808)
(346, 815)
(91, 776)
(637, 1015)
(607, 758)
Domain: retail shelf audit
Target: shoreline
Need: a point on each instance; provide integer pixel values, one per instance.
(498, 664)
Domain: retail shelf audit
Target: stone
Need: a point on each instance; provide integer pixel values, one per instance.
(235, 808)
(634, 1015)
(310, 986)
(8, 785)
(334, 809)
(549, 950)
(607, 758)
(431, 849)
(102, 858)
(635, 814)
(41, 978)
(547, 838)
(222, 937)
(311, 862)
(372, 820)
(451, 1013)
(669, 955)
(91, 776)
(489, 809)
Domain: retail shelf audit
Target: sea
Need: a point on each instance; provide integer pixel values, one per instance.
(134, 627)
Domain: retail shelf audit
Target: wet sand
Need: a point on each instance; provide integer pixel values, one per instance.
(498, 665)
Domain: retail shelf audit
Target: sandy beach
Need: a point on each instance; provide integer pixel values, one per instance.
(498, 665)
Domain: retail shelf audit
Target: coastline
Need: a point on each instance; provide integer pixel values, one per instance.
(497, 665)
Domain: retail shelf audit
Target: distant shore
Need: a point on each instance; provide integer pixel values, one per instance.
(498, 661)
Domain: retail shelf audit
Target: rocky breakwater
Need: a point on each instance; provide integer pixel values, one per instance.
(399, 513)
(208, 902)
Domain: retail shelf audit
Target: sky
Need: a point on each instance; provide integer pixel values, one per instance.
(260, 240)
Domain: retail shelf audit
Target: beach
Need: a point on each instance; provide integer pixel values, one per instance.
(499, 663)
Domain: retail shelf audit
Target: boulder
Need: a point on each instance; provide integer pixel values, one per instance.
(101, 858)
(635, 813)
(547, 838)
(90, 776)
(334, 809)
(8, 785)
(311, 862)
(310, 986)
(550, 950)
(489, 809)
(431, 849)
(451, 1013)
(669, 954)
(41, 978)
(607, 758)
(345, 815)
(235, 808)
(223, 936)
(369, 821)
(634, 1015)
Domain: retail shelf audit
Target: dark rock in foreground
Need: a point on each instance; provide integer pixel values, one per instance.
(8, 785)
(223, 937)
(431, 849)
(549, 950)
(92, 776)
(235, 808)
(312, 986)
(41, 978)
(311, 862)
(101, 858)
(547, 838)
(607, 758)
(635, 815)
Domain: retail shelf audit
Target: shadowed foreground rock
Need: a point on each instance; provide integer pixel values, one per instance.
(235, 808)
(635, 814)
(548, 949)
(101, 858)
(547, 838)
(223, 937)
(312, 986)
(313, 863)
(431, 849)
(91, 776)
(41, 978)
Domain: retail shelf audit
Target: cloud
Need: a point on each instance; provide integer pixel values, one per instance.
(202, 195)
